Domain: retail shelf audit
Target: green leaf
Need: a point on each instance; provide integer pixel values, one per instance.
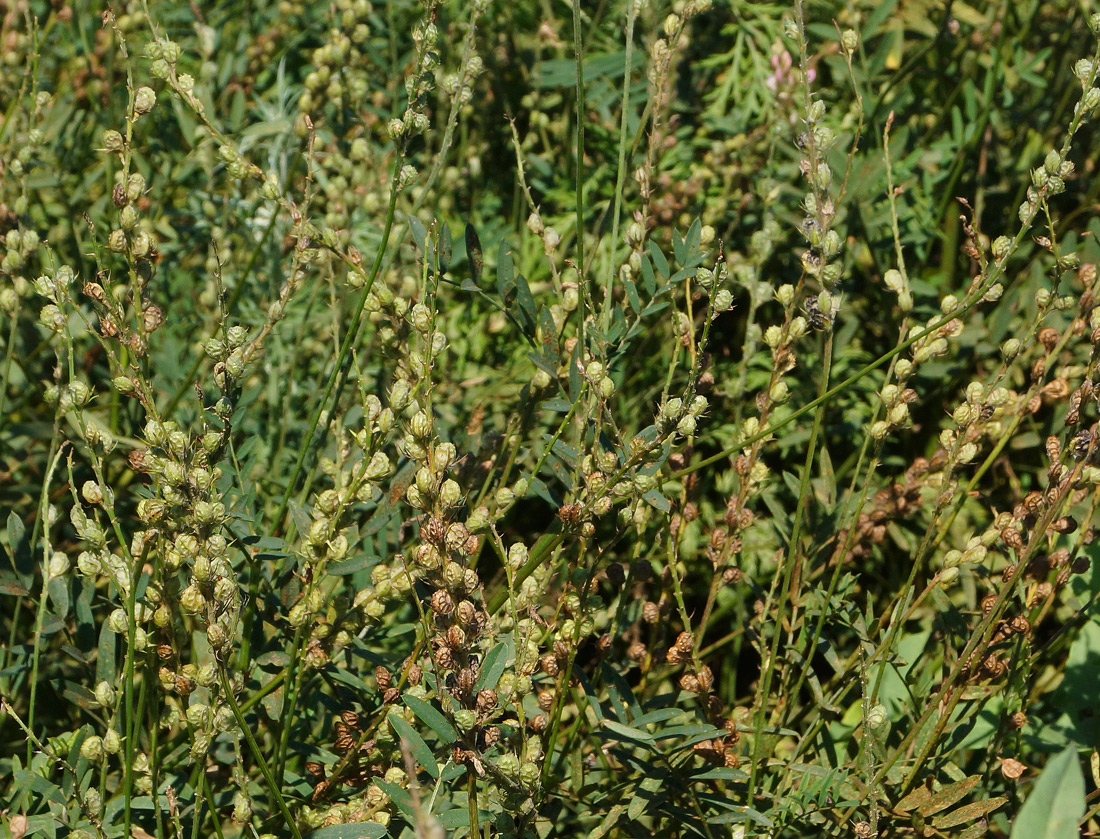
(105, 665)
(645, 794)
(658, 257)
(492, 666)
(1056, 802)
(947, 796)
(417, 747)
(968, 813)
(20, 550)
(446, 246)
(399, 796)
(419, 232)
(356, 830)
(473, 253)
(350, 566)
(625, 732)
(434, 719)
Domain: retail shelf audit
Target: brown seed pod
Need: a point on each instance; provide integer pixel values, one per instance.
(382, 677)
(1048, 337)
(490, 736)
(343, 743)
(1033, 502)
(434, 531)
(549, 665)
(546, 699)
(456, 638)
(466, 680)
(569, 514)
(466, 614)
(441, 602)
(314, 769)
(486, 700)
(1065, 524)
(1011, 768)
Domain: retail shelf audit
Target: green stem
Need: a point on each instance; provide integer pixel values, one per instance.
(257, 755)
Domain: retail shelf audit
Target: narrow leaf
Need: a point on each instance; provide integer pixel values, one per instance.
(434, 719)
(417, 747)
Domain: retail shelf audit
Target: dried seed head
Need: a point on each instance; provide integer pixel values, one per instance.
(549, 665)
(1048, 337)
(486, 700)
(465, 681)
(636, 651)
(314, 769)
(1065, 524)
(466, 614)
(435, 531)
(1053, 447)
(456, 638)
(1018, 720)
(343, 743)
(442, 603)
(569, 514)
(1011, 768)
(546, 699)
(490, 735)
(382, 677)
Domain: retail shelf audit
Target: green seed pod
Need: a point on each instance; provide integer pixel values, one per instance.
(105, 694)
(92, 748)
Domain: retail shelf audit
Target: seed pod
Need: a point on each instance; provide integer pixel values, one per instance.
(442, 603)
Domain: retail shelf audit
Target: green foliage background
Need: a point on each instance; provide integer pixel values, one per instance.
(400, 470)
